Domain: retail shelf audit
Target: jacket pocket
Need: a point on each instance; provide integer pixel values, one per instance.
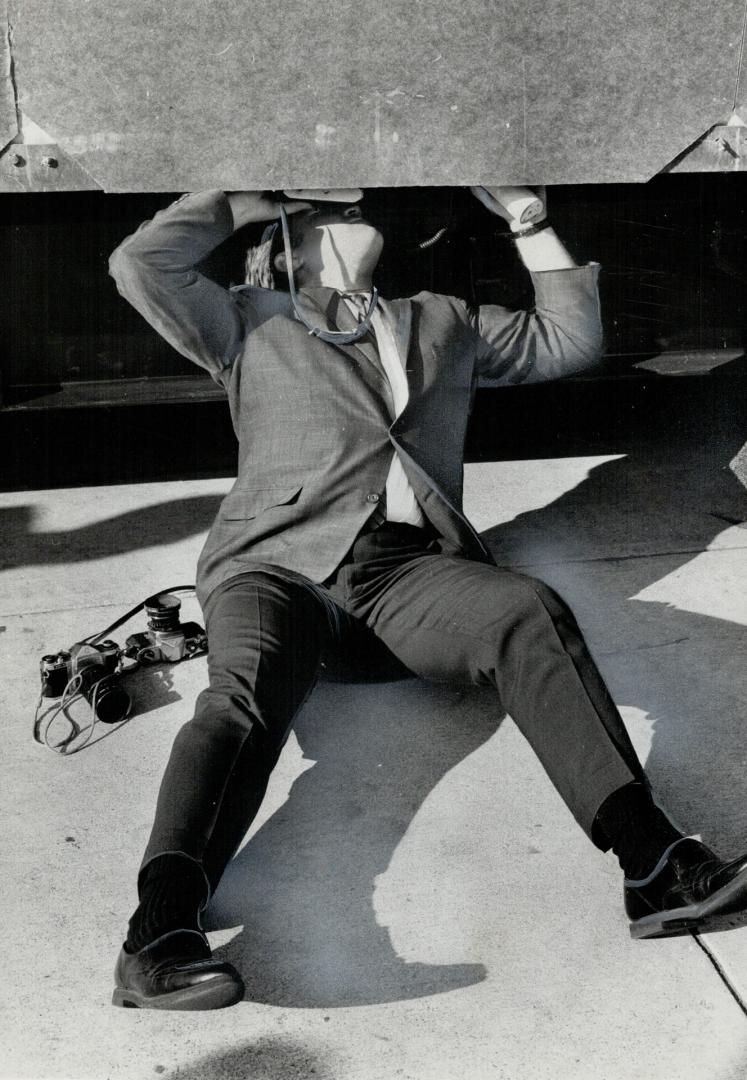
(247, 503)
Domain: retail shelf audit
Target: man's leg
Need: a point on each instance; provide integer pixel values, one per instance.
(452, 620)
(266, 638)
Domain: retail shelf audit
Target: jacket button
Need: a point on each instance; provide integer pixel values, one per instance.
(373, 497)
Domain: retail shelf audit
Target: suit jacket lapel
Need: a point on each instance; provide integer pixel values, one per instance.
(401, 312)
(403, 322)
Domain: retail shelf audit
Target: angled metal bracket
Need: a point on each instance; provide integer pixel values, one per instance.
(27, 167)
(723, 148)
(33, 161)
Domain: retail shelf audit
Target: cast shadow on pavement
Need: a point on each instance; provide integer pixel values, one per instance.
(149, 526)
(266, 1058)
(304, 885)
(633, 522)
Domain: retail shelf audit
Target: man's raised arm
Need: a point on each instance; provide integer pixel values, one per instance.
(156, 270)
(563, 334)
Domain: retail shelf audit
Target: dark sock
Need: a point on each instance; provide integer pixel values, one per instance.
(172, 889)
(635, 828)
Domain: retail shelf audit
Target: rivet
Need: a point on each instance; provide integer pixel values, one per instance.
(50, 162)
(18, 160)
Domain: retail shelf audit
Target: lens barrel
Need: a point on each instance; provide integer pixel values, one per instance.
(112, 701)
(163, 612)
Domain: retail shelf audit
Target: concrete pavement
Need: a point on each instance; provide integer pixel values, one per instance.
(414, 900)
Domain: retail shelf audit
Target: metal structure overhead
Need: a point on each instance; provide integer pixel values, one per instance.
(137, 96)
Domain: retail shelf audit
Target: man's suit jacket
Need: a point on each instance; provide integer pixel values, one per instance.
(312, 419)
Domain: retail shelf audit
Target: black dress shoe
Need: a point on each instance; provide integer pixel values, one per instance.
(176, 971)
(688, 889)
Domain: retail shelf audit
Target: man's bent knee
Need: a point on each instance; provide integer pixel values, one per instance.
(522, 595)
(547, 596)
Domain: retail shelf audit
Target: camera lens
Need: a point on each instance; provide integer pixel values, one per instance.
(163, 612)
(112, 701)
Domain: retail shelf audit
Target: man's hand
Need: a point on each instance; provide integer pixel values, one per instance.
(539, 251)
(248, 206)
(519, 206)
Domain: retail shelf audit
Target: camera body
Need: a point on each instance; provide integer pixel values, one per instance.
(91, 670)
(154, 646)
(90, 662)
(166, 639)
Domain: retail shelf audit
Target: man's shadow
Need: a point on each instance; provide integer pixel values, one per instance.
(637, 520)
(303, 886)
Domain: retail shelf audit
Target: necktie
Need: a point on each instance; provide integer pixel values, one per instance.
(368, 347)
(360, 302)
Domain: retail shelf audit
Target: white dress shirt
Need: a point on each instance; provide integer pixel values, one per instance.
(401, 504)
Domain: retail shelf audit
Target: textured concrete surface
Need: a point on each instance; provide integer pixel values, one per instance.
(337, 99)
(414, 900)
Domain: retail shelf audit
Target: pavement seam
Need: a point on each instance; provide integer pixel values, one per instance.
(501, 565)
(721, 973)
(70, 607)
(625, 558)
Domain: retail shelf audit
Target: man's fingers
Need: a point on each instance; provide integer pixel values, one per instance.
(267, 209)
(489, 201)
(484, 196)
(524, 205)
(293, 207)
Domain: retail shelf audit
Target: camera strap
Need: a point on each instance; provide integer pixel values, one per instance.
(94, 639)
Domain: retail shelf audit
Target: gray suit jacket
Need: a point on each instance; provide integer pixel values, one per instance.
(312, 419)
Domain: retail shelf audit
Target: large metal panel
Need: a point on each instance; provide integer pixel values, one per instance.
(8, 125)
(146, 96)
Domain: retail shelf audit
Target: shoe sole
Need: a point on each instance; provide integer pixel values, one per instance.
(694, 918)
(211, 994)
